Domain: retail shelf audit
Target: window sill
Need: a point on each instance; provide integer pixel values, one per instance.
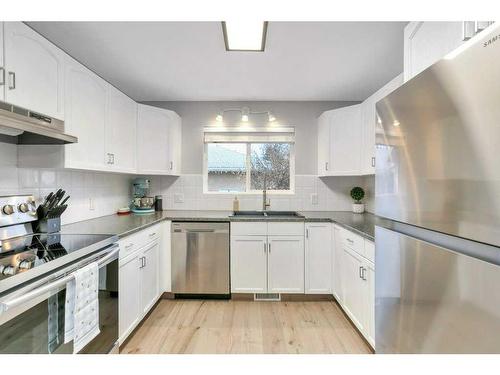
(250, 193)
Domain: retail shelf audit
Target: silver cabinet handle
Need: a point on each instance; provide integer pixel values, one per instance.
(326, 166)
(152, 234)
(129, 246)
(112, 158)
(468, 30)
(363, 273)
(12, 80)
(373, 161)
(109, 158)
(349, 240)
(144, 261)
(360, 272)
(269, 248)
(265, 247)
(2, 75)
(307, 233)
(171, 165)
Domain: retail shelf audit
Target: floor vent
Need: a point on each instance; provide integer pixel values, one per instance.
(267, 297)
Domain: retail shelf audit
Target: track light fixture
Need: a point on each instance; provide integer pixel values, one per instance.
(245, 114)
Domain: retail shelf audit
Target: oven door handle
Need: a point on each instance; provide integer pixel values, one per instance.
(16, 301)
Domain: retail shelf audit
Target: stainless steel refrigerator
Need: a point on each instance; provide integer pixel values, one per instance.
(437, 287)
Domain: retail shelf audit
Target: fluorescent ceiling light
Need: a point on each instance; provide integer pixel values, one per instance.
(244, 35)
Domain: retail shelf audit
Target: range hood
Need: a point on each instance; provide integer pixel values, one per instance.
(23, 126)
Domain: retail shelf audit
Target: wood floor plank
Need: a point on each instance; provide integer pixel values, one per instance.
(245, 327)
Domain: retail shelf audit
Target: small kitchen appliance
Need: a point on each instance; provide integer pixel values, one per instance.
(141, 202)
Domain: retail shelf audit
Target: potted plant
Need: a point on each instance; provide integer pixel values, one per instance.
(357, 194)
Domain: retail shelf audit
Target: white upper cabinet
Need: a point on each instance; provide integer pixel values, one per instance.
(34, 71)
(121, 132)
(318, 258)
(323, 143)
(2, 67)
(370, 124)
(86, 106)
(174, 144)
(158, 131)
(344, 134)
(427, 42)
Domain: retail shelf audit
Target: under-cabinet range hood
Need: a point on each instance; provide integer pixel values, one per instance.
(23, 126)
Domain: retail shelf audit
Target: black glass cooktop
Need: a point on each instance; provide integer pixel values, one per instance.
(21, 254)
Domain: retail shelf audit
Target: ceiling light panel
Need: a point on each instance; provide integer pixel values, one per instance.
(244, 35)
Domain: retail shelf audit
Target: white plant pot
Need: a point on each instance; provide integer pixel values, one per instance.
(358, 208)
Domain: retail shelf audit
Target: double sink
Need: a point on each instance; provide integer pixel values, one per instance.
(268, 214)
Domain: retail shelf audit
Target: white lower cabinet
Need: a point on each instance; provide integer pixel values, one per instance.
(249, 264)
(268, 259)
(285, 264)
(139, 281)
(356, 286)
(318, 258)
(129, 295)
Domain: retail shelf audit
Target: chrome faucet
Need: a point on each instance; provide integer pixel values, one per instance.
(264, 197)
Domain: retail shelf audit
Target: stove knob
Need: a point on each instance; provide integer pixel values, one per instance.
(23, 207)
(8, 209)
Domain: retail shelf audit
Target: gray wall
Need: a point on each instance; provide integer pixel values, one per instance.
(301, 115)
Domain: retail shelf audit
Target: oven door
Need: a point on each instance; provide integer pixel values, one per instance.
(33, 317)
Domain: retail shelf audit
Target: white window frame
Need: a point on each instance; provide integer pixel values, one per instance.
(248, 191)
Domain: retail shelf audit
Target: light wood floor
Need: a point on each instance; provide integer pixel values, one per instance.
(198, 327)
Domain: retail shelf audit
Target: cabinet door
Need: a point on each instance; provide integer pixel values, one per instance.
(345, 141)
(129, 291)
(369, 302)
(121, 124)
(285, 264)
(338, 291)
(152, 140)
(2, 66)
(354, 305)
(175, 141)
(427, 42)
(34, 71)
(86, 99)
(248, 264)
(318, 258)
(323, 144)
(150, 282)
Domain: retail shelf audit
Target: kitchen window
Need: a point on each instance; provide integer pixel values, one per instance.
(247, 161)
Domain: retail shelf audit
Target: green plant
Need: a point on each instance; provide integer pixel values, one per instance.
(357, 194)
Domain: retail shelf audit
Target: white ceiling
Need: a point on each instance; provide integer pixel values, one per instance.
(156, 61)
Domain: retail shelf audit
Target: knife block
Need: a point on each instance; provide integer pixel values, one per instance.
(48, 225)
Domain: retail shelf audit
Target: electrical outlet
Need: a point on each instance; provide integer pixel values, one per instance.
(178, 198)
(91, 204)
(314, 198)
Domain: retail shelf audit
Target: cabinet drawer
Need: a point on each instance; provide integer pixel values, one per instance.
(370, 250)
(285, 229)
(352, 241)
(137, 240)
(250, 228)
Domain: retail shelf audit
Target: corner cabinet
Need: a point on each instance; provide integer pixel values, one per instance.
(34, 71)
(158, 141)
(340, 142)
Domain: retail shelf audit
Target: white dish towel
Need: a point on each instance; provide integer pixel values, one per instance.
(81, 322)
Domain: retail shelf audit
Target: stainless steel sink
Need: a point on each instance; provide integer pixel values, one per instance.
(268, 214)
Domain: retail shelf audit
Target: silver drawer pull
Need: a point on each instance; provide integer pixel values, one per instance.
(349, 240)
(152, 234)
(129, 246)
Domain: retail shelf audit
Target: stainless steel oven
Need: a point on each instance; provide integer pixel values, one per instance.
(32, 316)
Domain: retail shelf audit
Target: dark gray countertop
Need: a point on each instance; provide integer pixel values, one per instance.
(123, 225)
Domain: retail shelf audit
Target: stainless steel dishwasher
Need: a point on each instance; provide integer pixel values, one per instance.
(200, 259)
